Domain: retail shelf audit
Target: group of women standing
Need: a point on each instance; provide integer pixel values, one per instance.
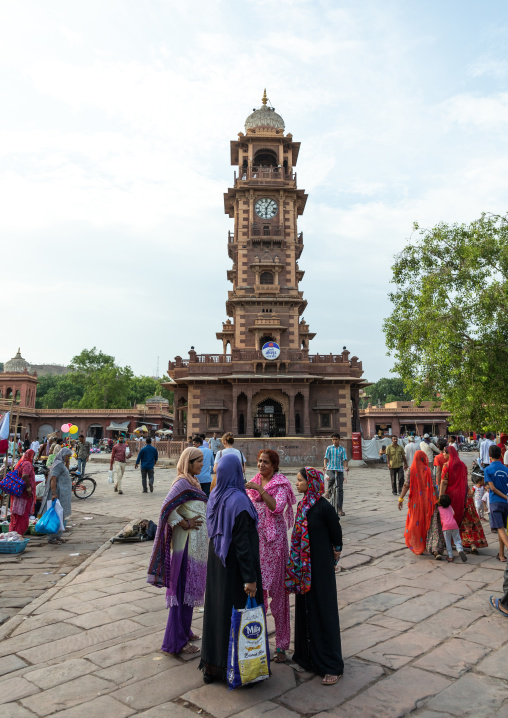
(233, 545)
(58, 486)
(423, 532)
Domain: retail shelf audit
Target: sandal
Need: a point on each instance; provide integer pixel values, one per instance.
(474, 551)
(194, 637)
(329, 680)
(503, 560)
(438, 556)
(280, 656)
(189, 649)
(494, 602)
(450, 559)
(341, 512)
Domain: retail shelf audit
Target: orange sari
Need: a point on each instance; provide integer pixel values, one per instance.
(421, 503)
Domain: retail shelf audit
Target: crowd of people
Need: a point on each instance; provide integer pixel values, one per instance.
(222, 538)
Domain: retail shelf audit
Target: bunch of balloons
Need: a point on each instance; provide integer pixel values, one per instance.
(69, 428)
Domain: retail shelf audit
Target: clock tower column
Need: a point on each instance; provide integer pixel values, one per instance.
(265, 303)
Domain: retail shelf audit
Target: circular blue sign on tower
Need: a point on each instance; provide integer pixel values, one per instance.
(270, 351)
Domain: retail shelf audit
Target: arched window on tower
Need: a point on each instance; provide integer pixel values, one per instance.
(264, 340)
(266, 278)
(266, 158)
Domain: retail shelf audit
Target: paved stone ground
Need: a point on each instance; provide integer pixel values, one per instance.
(418, 636)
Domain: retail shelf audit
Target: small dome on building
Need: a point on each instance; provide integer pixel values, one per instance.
(157, 400)
(17, 363)
(265, 116)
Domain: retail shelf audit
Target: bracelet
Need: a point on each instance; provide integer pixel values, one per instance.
(401, 500)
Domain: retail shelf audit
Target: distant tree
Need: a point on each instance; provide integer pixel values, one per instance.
(144, 387)
(385, 390)
(448, 330)
(54, 391)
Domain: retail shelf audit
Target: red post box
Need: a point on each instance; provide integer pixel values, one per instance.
(356, 440)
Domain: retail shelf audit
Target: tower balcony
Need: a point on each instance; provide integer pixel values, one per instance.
(264, 175)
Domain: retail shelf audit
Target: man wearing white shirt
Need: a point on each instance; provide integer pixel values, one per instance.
(484, 449)
(410, 450)
(429, 448)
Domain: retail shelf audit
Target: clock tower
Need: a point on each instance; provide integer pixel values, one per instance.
(265, 303)
(278, 396)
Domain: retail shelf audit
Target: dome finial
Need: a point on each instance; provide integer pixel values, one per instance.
(265, 98)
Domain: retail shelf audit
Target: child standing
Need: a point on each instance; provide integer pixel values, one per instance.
(450, 528)
(479, 490)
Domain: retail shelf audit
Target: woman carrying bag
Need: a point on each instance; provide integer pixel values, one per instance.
(234, 570)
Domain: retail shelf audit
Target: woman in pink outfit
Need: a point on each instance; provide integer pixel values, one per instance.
(273, 498)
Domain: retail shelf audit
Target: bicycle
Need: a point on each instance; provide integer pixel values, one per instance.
(83, 488)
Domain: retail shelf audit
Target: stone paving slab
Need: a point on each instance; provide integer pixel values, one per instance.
(418, 636)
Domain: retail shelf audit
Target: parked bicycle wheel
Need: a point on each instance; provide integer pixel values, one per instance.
(84, 488)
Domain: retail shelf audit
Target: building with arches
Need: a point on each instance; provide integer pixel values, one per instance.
(18, 385)
(287, 392)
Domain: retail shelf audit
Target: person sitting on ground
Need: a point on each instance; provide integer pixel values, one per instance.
(450, 528)
(382, 454)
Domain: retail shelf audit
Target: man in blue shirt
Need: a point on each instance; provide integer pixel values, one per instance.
(205, 477)
(148, 457)
(334, 464)
(496, 478)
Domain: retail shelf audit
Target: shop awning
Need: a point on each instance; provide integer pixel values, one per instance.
(114, 426)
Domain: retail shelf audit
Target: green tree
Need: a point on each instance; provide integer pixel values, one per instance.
(448, 330)
(143, 387)
(54, 391)
(385, 390)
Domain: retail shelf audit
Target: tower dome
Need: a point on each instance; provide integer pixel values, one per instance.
(17, 363)
(264, 117)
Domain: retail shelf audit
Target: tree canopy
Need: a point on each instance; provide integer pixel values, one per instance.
(95, 381)
(385, 390)
(448, 330)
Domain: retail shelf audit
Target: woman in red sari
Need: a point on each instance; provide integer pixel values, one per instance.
(454, 483)
(422, 500)
(503, 440)
(22, 506)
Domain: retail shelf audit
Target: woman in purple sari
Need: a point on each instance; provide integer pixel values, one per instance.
(179, 555)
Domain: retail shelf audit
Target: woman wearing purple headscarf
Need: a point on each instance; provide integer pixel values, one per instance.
(234, 570)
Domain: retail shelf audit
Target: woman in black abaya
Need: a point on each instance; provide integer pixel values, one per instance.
(315, 544)
(233, 570)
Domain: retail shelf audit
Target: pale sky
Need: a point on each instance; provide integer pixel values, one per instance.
(114, 139)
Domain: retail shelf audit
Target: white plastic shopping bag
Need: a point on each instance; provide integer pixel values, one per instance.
(110, 477)
(59, 511)
(127, 453)
(249, 653)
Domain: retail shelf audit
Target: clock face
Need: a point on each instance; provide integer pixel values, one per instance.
(266, 208)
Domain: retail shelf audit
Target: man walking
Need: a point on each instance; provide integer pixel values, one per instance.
(205, 477)
(410, 450)
(215, 444)
(334, 463)
(396, 463)
(484, 449)
(429, 448)
(148, 457)
(118, 463)
(82, 452)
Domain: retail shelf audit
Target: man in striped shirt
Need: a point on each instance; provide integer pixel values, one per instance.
(334, 464)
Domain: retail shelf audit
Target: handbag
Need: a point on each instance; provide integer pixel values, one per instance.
(12, 484)
(248, 653)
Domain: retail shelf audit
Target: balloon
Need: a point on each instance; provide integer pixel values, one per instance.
(74, 429)
(65, 428)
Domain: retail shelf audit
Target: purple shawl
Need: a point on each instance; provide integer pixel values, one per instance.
(227, 500)
(159, 568)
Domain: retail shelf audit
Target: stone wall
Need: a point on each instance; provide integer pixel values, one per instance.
(293, 451)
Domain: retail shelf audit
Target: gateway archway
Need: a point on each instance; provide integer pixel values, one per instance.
(269, 419)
